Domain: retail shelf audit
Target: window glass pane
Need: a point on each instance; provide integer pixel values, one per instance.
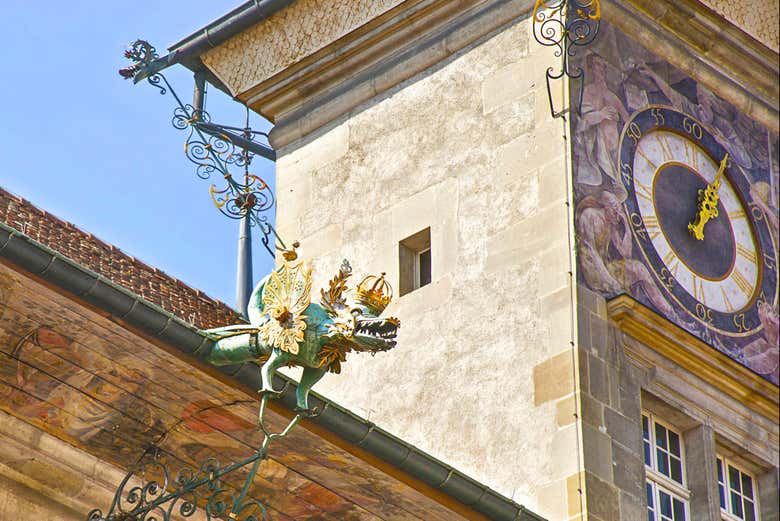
(720, 470)
(662, 460)
(750, 511)
(645, 427)
(734, 479)
(425, 268)
(648, 461)
(747, 486)
(650, 502)
(722, 494)
(660, 436)
(674, 444)
(736, 505)
(666, 503)
(676, 468)
(679, 510)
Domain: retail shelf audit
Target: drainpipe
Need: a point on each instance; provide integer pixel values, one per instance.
(244, 270)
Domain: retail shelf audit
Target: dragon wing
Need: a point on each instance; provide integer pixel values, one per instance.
(286, 295)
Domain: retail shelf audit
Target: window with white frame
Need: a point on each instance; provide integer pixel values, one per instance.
(667, 495)
(737, 491)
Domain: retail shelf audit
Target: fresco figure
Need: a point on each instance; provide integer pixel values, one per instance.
(763, 354)
(709, 111)
(605, 248)
(599, 127)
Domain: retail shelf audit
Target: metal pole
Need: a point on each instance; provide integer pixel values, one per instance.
(244, 276)
(244, 266)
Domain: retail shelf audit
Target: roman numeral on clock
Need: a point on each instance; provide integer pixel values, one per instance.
(745, 253)
(644, 191)
(742, 283)
(666, 150)
(729, 305)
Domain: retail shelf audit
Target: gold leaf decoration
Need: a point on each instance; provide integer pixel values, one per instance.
(286, 296)
(333, 300)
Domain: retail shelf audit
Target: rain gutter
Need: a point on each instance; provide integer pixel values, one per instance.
(101, 292)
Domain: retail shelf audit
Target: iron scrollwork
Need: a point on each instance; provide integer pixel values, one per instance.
(151, 492)
(566, 24)
(214, 149)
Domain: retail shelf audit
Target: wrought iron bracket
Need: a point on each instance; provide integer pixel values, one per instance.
(215, 149)
(567, 25)
(150, 491)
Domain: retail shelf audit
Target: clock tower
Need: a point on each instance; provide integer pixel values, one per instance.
(590, 301)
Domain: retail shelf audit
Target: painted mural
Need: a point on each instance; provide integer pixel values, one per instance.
(650, 144)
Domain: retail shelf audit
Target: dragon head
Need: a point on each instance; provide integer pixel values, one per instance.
(356, 320)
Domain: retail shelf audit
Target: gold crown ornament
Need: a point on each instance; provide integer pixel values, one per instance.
(374, 292)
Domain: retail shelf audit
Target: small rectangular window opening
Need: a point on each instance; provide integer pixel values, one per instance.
(414, 261)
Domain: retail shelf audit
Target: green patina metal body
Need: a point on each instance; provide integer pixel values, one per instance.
(316, 337)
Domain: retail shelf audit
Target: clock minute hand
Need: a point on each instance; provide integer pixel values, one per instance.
(708, 203)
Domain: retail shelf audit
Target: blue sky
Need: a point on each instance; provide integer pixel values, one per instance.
(91, 148)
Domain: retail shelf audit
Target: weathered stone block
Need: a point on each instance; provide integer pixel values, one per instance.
(325, 240)
(628, 469)
(597, 452)
(553, 378)
(506, 86)
(330, 146)
(553, 182)
(599, 337)
(563, 452)
(293, 197)
(769, 495)
(602, 499)
(632, 507)
(548, 499)
(592, 411)
(555, 275)
(574, 493)
(623, 430)
(583, 327)
(565, 411)
(598, 379)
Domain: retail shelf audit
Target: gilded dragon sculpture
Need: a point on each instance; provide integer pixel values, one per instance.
(286, 328)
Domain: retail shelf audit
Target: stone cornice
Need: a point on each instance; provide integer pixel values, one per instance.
(416, 34)
(693, 355)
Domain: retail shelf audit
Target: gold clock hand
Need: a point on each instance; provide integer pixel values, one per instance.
(708, 203)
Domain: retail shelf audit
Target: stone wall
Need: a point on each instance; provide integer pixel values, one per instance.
(483, 375)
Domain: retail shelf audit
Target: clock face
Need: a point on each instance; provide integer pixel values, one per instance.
(667, 159)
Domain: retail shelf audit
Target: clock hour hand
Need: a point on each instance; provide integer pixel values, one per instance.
(708, 203)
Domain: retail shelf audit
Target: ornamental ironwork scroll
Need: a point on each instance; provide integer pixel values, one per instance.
(214, 149)
(152, 491)
(566, 25)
